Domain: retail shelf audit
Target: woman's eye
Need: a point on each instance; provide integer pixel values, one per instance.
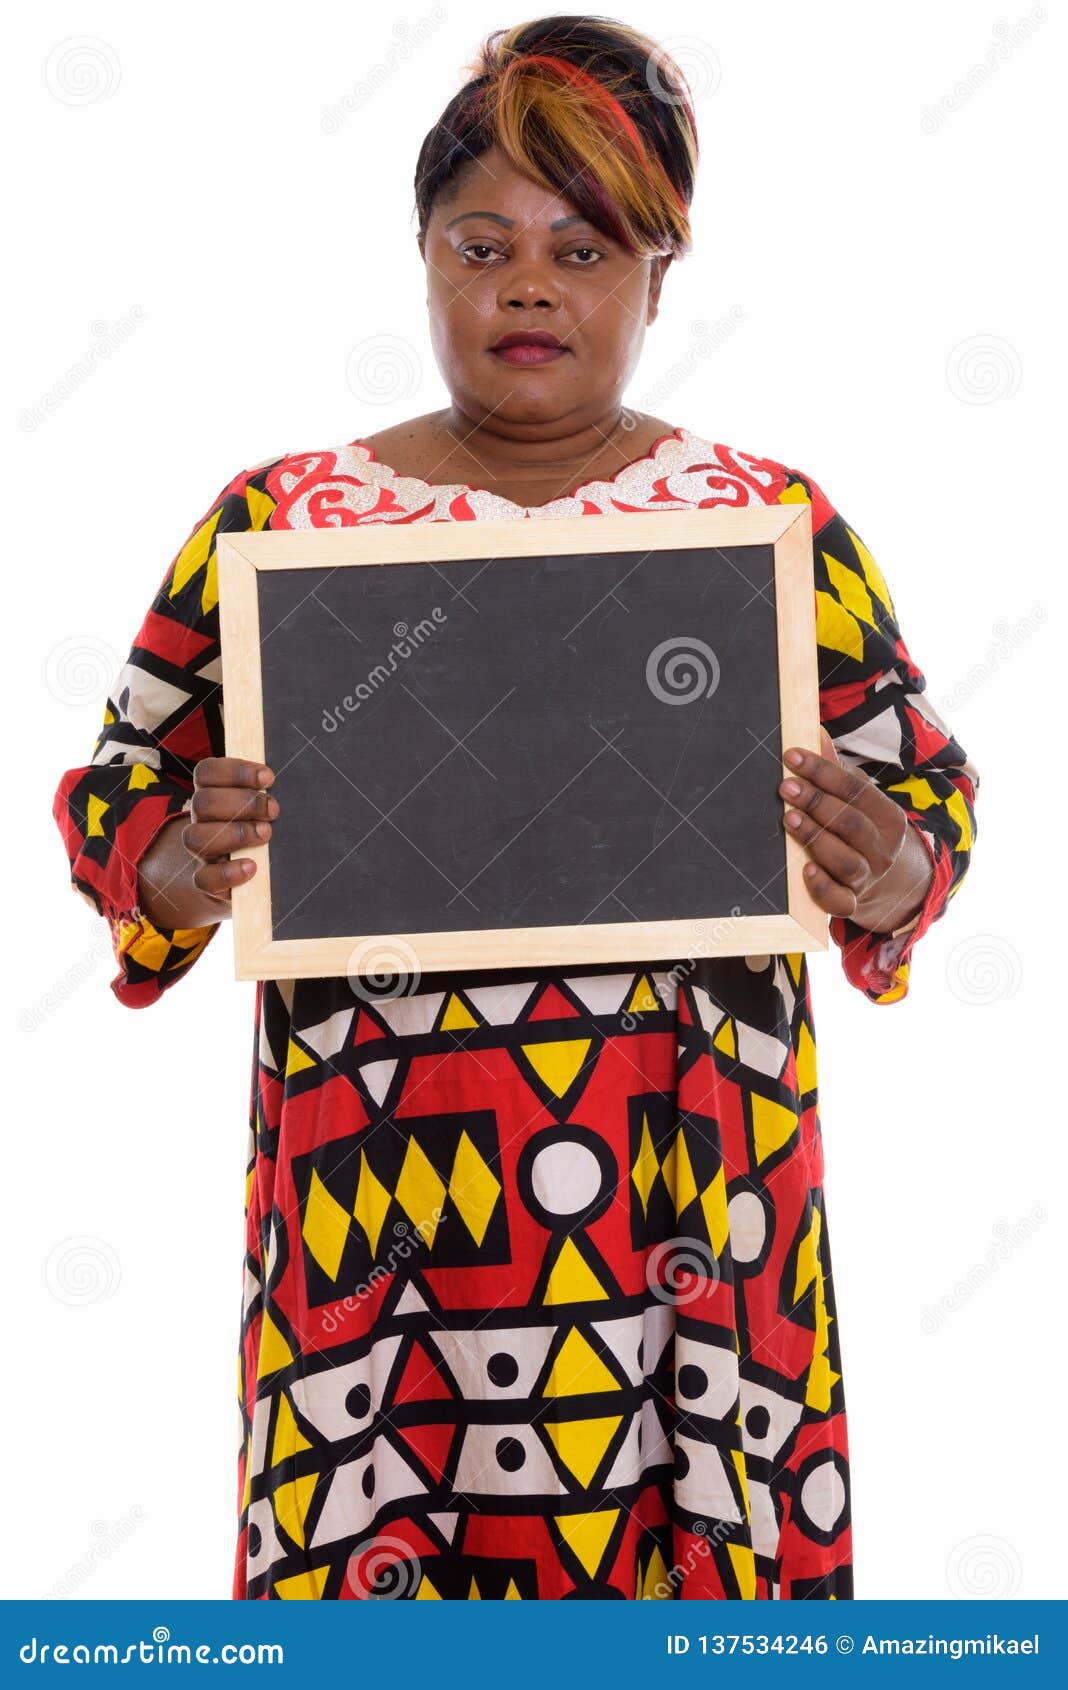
(475, 247)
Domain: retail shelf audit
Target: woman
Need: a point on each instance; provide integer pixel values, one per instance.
(616, 1372)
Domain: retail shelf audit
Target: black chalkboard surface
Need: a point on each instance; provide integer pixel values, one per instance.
(548, 754)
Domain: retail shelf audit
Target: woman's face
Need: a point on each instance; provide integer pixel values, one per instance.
(504, 254)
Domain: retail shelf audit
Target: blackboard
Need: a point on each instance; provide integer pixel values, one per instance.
(477, 748)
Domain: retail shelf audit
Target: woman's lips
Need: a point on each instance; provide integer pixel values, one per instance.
(528, 353)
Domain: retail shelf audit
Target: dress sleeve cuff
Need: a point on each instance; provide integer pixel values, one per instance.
(878, 963)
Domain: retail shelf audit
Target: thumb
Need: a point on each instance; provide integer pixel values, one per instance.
(828, 745)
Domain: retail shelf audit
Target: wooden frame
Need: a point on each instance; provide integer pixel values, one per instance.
(788, 528)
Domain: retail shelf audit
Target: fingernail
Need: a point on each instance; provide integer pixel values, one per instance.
(265, 776)
(263, 829)
(791, 788)
(272, 807)
(794, 759)
(247, 867)
(793, 819)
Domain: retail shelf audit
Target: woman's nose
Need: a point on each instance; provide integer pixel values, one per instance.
(528, 286)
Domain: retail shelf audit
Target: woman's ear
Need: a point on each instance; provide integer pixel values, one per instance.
(657, 272)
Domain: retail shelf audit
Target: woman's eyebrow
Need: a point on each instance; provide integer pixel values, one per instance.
(508, 222)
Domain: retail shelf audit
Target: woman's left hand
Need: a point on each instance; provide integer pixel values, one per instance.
(868, 863)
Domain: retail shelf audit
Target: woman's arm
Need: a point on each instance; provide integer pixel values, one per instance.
(899, 790)
(121, 815)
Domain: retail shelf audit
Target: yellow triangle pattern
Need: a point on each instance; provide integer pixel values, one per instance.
(260, 506)
(919, 790)
(744, 1563)
(578, 1370)
(581, 1444)
(307, 1585)
(274, 1351)
(297, 1059)
(772, 1126)
(572, 1280)
(291, 1502)
(587, 1535)
(288, 1437)
(656, 1585)
(94, 809)
(457, 1017)
(643, 999)
(141, 775)
(725, 1039)
(558, 1062)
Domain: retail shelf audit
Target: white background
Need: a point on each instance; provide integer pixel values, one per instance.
(213, 216)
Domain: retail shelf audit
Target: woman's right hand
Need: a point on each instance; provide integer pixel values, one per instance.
(231, 807)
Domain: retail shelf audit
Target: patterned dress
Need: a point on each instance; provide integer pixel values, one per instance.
(537, 1295)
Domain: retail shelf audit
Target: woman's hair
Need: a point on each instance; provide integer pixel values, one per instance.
(588, 107)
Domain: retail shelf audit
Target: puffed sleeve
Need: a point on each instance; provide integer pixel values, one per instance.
(874, 705)
(164, 713)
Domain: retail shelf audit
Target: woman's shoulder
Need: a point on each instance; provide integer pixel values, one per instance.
(736, 469)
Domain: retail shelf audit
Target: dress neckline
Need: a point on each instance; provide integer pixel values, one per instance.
(628, 469)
